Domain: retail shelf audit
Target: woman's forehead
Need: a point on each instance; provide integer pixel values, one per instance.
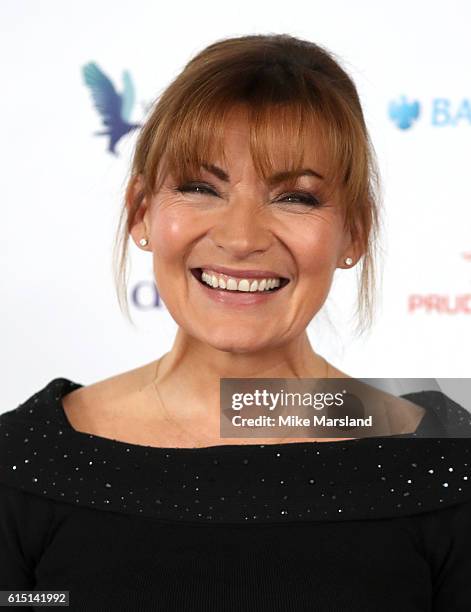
(269, 141)
(283, 148)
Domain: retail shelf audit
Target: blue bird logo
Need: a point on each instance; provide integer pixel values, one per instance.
(404, 113)
(115, 109)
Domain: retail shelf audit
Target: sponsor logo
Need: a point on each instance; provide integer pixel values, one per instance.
(115, 109)
(145, 296)
(438, 112)
(441, 303)
(404, 113)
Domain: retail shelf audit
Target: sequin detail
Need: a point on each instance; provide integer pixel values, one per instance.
(256, 483)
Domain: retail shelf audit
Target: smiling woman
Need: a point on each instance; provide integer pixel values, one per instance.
(253, 181)
(278, 102)
(287, 229)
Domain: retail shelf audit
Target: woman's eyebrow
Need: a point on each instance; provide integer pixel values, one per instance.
(278, 177)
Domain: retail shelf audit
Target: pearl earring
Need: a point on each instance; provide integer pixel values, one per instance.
(143, 242)
(348, 261)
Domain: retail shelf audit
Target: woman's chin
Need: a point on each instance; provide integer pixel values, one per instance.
(235, 342)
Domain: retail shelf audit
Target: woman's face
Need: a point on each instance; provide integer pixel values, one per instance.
(230, 218)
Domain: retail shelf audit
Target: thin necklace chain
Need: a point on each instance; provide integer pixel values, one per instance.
(173, 422)
(167, 416)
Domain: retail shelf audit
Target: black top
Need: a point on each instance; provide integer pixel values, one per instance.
(367, 524)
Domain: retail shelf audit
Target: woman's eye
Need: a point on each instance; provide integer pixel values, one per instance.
(297, 197)
(195, 188)
(301, 197)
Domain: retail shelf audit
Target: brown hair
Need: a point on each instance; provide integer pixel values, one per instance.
(293, 90)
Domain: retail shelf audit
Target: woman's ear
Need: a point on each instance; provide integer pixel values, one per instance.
(138, 205)
(352, 249)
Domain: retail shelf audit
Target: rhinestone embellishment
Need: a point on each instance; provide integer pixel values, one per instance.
(353, 479)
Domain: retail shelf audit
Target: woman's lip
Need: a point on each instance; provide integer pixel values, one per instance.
(246, 273)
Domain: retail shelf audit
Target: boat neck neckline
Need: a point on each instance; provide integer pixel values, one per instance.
(62, 386)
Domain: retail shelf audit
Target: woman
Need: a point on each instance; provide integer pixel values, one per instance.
(255, 164)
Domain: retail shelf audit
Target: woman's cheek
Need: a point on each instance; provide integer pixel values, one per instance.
(173, 230)
(315, 250)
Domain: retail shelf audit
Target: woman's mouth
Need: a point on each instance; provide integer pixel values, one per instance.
(223, 282)
(237, 291)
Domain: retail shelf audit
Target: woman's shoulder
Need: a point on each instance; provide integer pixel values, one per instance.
(448, 416)
(77, 406)
(87, 407)
(121, 407)
(41, 407)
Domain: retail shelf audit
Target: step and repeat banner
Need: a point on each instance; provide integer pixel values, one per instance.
(64, 174)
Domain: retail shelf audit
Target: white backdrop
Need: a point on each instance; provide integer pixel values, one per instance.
(62, 191)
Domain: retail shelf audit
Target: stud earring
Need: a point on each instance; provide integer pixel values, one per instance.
(143, 242)
(348, 261)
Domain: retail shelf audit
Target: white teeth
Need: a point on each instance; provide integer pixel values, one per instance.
(231, 283)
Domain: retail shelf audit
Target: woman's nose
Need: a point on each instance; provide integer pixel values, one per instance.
(242, 227)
